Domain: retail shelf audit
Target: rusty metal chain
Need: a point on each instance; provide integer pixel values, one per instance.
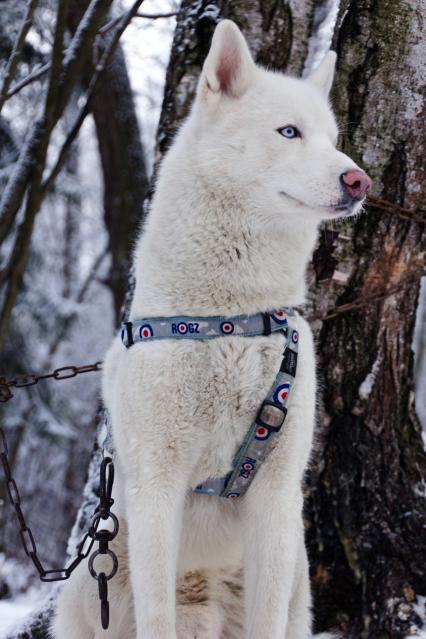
(25, 532)
(22, 381)
(102, 512)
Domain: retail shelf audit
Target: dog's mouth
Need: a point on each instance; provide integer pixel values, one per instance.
(343, 207)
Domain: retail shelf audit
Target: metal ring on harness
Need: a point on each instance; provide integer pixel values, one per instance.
(97, 517)
(114, 568)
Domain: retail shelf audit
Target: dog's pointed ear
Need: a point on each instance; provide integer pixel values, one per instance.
(323, 75)
(229, 67)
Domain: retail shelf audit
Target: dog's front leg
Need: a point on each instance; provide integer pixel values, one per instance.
(154, 512)
(272, 534)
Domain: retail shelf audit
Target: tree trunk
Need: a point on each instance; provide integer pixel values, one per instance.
(365, 513)
(124, 171)
(123, 162)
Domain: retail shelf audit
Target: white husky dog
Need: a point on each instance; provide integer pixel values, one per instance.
(234, 220)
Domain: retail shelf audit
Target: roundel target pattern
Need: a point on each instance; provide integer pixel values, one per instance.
(280, 317)
(262, 433)
(227, 328)
(146, 331)
(281, 393)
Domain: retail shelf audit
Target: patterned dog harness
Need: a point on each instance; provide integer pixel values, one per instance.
(262, 434)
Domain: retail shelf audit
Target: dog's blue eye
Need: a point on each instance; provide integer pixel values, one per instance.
(289, 132)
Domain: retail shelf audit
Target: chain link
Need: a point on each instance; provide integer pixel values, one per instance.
(25, 532)
(24, 380)
(102, 512)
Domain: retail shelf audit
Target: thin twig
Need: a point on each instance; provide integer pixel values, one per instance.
(157, 16)
(389, 207)
(17, 51)
(365, 300)
(32, 77)
(150, 16)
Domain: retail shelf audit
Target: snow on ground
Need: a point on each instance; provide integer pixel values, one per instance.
(23, 601)
(13, 611)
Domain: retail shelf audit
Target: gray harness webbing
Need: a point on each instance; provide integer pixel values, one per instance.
(262, 435)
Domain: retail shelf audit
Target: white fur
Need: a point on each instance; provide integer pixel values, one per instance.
(232, 226)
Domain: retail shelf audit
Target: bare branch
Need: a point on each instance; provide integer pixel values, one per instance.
(157, 16)
(43, 127)
(80, 48)
(37, 192)
(17, 50)
(389, 207)
(32, 77)
(150, 16)
(38, 73)
(366, 300)
(32, 157)
(17, 263)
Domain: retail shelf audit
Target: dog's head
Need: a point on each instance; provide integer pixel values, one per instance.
(274, 136)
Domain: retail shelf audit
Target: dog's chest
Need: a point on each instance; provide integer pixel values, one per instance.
(189, 404)
(239, 375)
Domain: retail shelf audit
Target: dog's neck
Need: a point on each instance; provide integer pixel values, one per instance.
(208, 249)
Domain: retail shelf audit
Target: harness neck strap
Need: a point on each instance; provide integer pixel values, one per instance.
(183, 327)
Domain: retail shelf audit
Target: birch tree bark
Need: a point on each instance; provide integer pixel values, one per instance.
(365, 510)
(122, 158)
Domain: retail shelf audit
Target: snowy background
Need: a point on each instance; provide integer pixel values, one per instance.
(59, 419)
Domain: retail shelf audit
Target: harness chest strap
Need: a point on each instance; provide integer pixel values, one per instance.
(262, 435)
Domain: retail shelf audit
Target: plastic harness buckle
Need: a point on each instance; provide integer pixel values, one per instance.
(129, 333)
(271, 415)
(266, 324)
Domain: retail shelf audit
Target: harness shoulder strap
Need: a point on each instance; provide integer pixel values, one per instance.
(262, 435)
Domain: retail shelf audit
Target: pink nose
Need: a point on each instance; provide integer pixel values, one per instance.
(356, 183)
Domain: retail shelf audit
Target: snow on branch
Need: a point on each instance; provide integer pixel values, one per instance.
(17, 51)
